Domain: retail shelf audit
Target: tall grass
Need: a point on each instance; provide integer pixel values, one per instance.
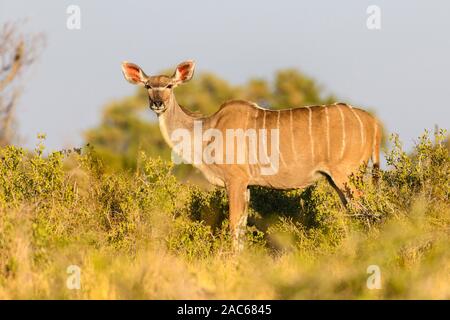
(143, 235)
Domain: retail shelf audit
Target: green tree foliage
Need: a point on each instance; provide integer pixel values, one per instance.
(293, 89)
(124, 130)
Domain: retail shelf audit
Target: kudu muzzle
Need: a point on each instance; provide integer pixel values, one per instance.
(157, 106)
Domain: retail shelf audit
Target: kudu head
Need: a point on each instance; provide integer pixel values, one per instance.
(159, 88)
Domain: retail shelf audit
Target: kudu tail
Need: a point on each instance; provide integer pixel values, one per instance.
(376, 153)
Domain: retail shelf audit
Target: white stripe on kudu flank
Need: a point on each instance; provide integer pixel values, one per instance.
(264, 144)
(361, 129)
(291, 128)
(246, 120)
(256, 168)
(311, 140)
(247, 144)
(343, 132)
(278, 119)
(328, 132)
(279, 145)
(264, 119)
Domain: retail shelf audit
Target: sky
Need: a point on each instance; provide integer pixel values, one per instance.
(400, 70)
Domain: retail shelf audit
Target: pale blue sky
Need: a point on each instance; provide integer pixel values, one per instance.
(402, 71)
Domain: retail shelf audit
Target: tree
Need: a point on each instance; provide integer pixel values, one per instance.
(293, 89)
(17, 52)
(124, 131)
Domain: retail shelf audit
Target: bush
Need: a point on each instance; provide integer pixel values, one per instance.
(142, 234)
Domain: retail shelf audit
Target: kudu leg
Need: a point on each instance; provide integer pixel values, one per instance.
(340, 183)
(338, 186)
(238, 197)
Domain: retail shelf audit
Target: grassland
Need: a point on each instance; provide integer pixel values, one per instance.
(145, 235)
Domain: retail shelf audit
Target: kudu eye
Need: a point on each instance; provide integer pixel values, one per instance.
(169, 86)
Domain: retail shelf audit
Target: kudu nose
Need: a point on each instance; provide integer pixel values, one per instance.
(158, 103)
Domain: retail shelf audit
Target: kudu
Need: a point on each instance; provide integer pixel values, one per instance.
(329, 140)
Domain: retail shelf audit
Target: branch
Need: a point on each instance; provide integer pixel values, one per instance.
(5, 126)
(14, 69)
(17, 51)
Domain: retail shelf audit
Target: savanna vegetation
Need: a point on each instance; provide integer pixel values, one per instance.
(138, 228)
(146, 235)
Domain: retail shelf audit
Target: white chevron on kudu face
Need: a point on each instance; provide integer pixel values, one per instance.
(310, 142)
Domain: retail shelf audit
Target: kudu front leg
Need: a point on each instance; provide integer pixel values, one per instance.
(238, 198)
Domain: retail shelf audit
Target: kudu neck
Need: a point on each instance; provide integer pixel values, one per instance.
(176, 117)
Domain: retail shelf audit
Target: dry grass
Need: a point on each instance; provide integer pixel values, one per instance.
(141, 235)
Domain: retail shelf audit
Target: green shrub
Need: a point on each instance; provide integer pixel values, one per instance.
(64, 208)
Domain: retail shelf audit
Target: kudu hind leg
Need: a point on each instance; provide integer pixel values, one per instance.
(340, 182)
(338, 185)
(347, 191)
(238, 198)
(376, 156)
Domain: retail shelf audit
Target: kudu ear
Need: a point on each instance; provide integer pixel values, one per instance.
(133, 73)
(184, 72)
